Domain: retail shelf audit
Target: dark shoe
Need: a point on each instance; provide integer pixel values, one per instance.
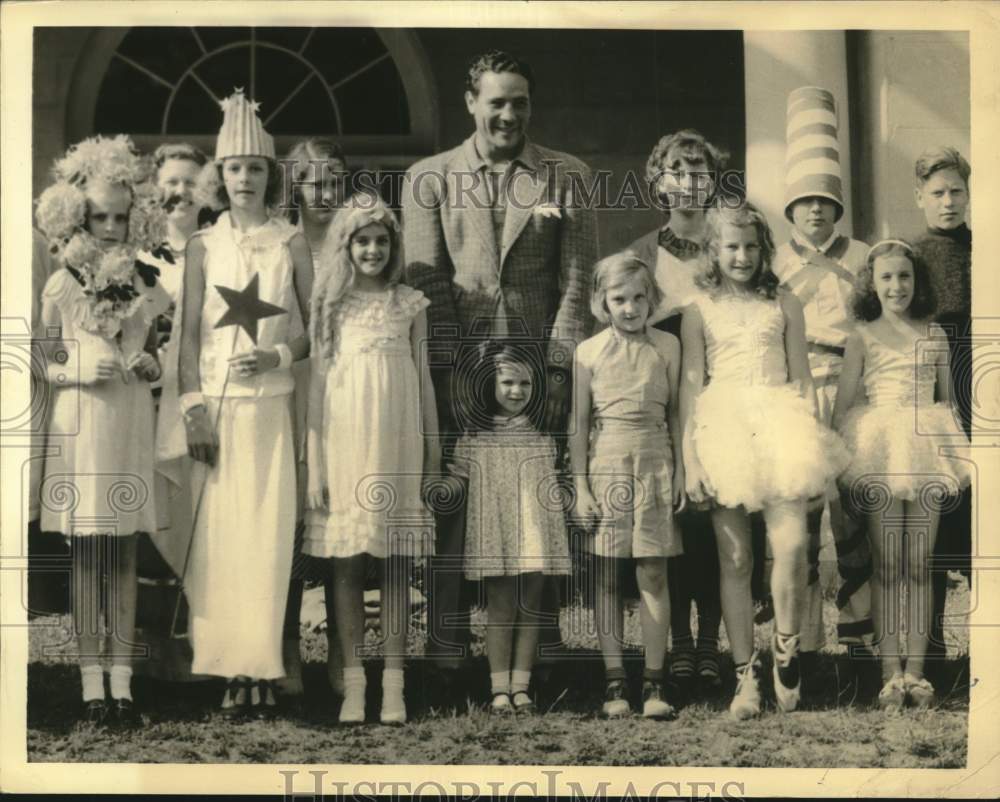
(236, 700)
(264, 699)
(654, 703)
(124, 713)
(707, 662)
(95, 712)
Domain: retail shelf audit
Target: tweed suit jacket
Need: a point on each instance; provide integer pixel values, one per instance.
(535, 283)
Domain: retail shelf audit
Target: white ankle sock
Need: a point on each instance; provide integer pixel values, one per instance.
(500, 681)
(353, 708)
(121, 682)
(393, 705)
(92, 677)
(519, 681)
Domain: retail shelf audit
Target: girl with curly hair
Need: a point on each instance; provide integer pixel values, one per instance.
(751, 438)
(897, 359)
(97, 486)
(371, 438)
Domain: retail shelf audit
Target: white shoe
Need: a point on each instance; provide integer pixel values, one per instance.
(352, 711)
(893, 693)
(787, 662)
(746, 702)
(920, 692)
(615, 701)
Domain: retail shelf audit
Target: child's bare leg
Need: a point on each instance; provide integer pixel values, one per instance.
(608, 612)
(732, 537)
(788, 538)
(86, 605)
(122, 601)
(528, 622)
(919, 601)
(501, 613)
(886, 547)
(395, 599)
(348, 590)
(395, 608)
(654, 608)
(123, 590)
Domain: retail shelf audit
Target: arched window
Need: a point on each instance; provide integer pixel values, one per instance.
(368, 88)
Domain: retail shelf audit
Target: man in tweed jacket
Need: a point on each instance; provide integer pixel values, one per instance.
(494, 237)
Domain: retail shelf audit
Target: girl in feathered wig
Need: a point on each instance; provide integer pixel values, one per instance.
(372, 436)
(97, 485)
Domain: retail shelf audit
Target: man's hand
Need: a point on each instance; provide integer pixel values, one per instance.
(556, 400)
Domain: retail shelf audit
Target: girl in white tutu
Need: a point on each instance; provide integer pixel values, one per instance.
(372, 424)
(751, 437)
(901, 469)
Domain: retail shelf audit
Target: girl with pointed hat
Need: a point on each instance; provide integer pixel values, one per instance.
(236, 388)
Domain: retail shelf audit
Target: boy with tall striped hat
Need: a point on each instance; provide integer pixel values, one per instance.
(819, 266)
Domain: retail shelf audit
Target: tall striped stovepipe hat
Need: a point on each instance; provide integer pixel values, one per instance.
(242, 132)
(812, 158)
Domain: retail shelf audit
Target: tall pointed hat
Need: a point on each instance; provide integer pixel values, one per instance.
(812, 158)
(242, 132)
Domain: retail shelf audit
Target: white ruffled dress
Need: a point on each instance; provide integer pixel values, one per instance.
(755, 435)
(901, 440)
(372, 443)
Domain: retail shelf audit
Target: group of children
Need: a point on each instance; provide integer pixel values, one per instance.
(299, 345)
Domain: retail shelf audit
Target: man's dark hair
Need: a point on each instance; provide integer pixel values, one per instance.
(497, 61)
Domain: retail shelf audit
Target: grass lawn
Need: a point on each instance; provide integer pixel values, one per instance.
(180, 724)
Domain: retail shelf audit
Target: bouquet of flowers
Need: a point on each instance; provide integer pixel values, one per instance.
(108, 276)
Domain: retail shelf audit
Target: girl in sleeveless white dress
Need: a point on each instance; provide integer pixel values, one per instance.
(371, 437)
(97, 313)
(752, 440)
(236, 401)
(896, 410)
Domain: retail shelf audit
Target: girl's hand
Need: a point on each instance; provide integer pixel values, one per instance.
(255, 361)
(699, 488)
(202, 443)
(679, 496)
(105, 368)
(144, 365)
(317, 489)
(585, 507)
(317, 494)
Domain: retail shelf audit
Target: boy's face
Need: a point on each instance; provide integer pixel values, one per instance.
(944, 197)
(815, 218)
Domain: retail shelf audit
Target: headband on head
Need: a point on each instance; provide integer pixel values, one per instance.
(881, 243)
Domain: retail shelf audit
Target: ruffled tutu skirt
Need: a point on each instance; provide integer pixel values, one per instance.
(895, 449)
(760, 445)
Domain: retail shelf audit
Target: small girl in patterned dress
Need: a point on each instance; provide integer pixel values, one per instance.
(515, 532)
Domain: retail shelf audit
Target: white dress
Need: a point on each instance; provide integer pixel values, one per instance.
(754, 434)
(373, 448)
(237, 580)
(99, 480)
(901, 440)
